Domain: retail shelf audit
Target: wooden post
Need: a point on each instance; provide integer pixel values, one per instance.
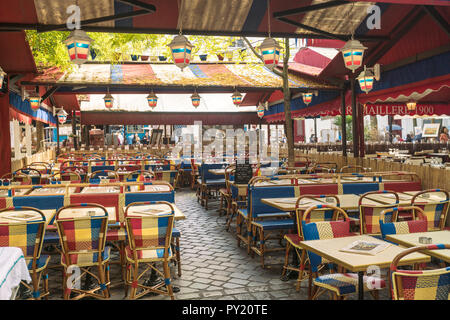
(362, 145)
(39, 135)
(74, 129)
(354, 120)
(57, 137)
(390, 120)
(343, 125)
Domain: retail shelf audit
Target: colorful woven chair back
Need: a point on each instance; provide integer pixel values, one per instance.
(420, 284)
(436, 212)
(315, 215)
(418, 224)
(72, 176)
(337, 228)
(42, 167)
(140, 175)
(369, 215)
(110, 175)
(85, 234)
(27, 235)
(151, 229)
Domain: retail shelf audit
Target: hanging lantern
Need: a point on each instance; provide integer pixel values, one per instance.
(260, 111)
(109, 101)
(307, 97)
(367, 78)
(195, 99)
(270, 50)
(411, 105)
(237, 98)
(152, 100)
(181, 51)
(35, 101)
(62, 116)
(353, 52)
(78, 46)
(2, 77)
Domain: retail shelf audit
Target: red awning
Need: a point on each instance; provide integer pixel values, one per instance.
(16, 115)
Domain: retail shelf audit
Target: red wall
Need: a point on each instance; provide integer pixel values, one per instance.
(5, 139)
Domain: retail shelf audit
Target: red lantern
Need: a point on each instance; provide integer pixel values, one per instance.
(307, 97)
(195, 98)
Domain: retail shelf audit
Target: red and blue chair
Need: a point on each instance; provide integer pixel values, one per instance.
(339, 284)
(149, 240)
(417, 224)
(28, 236)
(436, 212)
(420, 284)
(83, 246)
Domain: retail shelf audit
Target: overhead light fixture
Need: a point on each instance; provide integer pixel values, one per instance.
(411, 105)
(353, 52)
(62, 116)
(35, 100)
(237, 98)
(180, 47)
(152, 100)
(366, 78)
(307, 97)
(109, 100)
(260, 111)
(78, 44)
(195, 98)
(270, 49)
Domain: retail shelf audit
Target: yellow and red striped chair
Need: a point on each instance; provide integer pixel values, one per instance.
(149, 238)
(28, 236)
(339, 284)
(420, 284)
(417, 224)
(369, 215)
(436, 212)
(83, 239)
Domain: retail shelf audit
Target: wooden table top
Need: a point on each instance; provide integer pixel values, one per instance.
(156, 209)
(151, 188)
(404, 198)
(347, 202)
(330, 249)
(49, 191)
(18, 192)
(27, 215)
(86, 212)
(412, 240)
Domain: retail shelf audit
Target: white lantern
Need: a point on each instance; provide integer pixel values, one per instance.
(270, 51)
(152, 100)
(237, 98)
(260, 111)
(353, 52)
(78, 44)
(195, 98)
(62, 116)
(109, 101)
(181, 51)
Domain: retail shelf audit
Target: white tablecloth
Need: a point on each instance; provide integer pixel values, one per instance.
(13, 269)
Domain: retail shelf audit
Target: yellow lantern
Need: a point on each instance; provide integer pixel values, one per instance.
(307, 97)
(260, 111)
(237, 98)
(35, 102)
(109, 101)
(152, 100)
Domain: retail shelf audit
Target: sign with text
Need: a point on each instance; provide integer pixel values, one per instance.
(243, 173)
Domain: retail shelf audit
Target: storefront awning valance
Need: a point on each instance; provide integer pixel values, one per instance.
(23, 108)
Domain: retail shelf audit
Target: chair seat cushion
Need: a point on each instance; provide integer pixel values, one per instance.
(147, 255)
(86, 259)
(345, 283)
(51, 237)
(116, 234)
(293, 238)
(243, 212)
(41, 263)
(275, 224)
(274, 214)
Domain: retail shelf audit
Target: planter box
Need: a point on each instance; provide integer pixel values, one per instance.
(144, 58)
(203, 57)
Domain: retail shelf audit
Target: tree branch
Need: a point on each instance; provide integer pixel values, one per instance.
(278, 73)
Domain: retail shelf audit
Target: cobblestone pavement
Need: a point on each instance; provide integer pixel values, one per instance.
(213, 267)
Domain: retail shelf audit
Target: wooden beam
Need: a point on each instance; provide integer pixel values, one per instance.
(309, 8)
(354, 119)
(49, 93)
(397, 33)
(440, 20)
(343, 125)
(139, 4)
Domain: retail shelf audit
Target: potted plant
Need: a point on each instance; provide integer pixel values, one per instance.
(93, 53)
(220, 56)
(144, 58)
(135, 57)
(229, 55)
(162, 58)
(203, 57)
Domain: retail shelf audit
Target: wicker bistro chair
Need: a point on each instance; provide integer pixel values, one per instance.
(28, 236)
(43, 167)
(354, 169)
(420, 284)
(225, 193)
(33, 174)
(70, 176)
(418, 224)
(149, 240)
(111, 176)
(83, 242)
(369, 215)
(17, 177)
(140, 175)
(293, 239)
(436, 212)
(210, 183)
(340, 284)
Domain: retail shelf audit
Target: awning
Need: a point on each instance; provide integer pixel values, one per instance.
(166, 77)
(22, 111)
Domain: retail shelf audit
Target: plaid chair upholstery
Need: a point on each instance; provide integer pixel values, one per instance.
(418, 224)
(83, 242)
(420, 284)
(149, 239)
(369, 215)
(339, 283)
(436, 213)
(28, 236)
